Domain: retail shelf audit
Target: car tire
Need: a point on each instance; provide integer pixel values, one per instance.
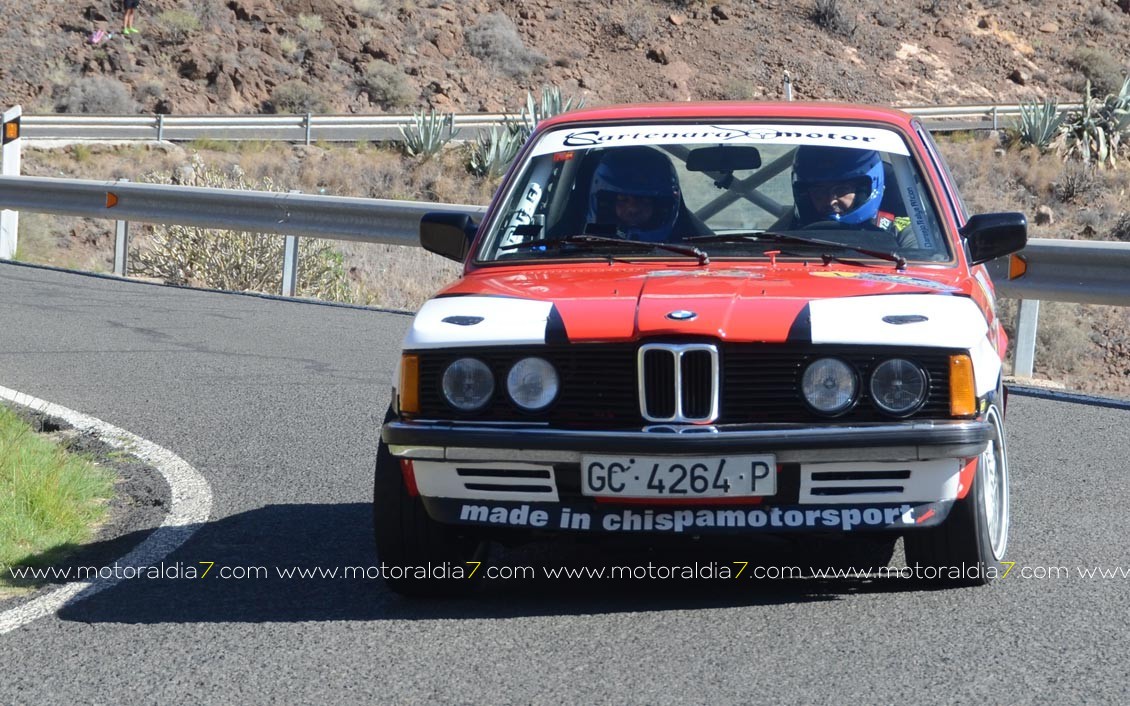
(407, 537)
(975, 535)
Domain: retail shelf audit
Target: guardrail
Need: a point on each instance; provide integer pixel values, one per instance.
(290, 128)
(1058, 270)
(378, 128)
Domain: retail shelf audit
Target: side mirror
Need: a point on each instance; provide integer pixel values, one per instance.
(993, 235)
(447, 234)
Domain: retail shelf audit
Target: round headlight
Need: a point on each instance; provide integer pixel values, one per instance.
(829, 385)
(898, 386)
(532, 383)
(468, 384)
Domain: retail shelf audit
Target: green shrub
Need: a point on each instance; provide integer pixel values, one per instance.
(1121, 229)
(176, 26)
(294, 96)
(1077, 183)
(636, 24)
(236, 261)
(289, 47)
(494, 39)
(1098, 66)
(311, 23)
(386, 85)
(96, 94)
(830, 15)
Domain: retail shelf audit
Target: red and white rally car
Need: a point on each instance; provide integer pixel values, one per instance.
(708, 318)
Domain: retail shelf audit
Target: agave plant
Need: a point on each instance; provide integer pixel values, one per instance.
(491, 153)
(1039, 124)
(1101, 131)
(551, 103)
(428, 133)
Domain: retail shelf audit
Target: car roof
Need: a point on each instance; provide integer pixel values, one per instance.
(714, 110)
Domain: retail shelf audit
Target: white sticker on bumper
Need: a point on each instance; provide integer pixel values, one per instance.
(878, 482)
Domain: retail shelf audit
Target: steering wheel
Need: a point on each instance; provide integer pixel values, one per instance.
(830, 225)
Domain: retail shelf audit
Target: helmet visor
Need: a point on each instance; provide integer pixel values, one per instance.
(825, 191)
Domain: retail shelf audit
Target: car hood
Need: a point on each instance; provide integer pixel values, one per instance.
(624, 303)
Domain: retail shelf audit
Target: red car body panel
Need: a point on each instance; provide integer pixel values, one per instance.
(736, 302)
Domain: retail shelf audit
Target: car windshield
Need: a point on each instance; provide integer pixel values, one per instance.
(735, 191)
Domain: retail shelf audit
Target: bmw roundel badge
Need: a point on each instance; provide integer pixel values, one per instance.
(682, 315)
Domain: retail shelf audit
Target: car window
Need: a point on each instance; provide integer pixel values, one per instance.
(587, 191)
(961, 211)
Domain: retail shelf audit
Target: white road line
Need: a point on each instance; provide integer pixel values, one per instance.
(190, 507)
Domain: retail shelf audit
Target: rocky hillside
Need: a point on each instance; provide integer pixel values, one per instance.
(362, 56)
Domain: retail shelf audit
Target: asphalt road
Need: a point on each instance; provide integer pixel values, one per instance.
(277, 404)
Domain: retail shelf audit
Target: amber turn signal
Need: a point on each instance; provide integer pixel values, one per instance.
(1017, 266)
(409, 384)
(963, 393)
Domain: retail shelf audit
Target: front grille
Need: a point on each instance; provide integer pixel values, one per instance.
(601, 383)
(678, 382)
(657, 381)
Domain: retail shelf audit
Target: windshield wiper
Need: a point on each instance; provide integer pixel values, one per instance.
(765, 236)
(588, 239)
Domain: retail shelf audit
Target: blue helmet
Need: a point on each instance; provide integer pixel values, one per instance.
(642, 172)
(817, 167)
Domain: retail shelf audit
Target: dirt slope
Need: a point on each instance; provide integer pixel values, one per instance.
(222, 56)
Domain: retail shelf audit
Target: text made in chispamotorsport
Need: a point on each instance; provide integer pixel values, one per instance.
(737, 570)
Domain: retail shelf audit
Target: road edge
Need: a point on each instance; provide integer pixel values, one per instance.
(189, 508)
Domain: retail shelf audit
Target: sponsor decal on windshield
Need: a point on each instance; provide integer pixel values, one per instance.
(622, 135)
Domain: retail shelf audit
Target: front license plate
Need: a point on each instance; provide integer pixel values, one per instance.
(678, 476)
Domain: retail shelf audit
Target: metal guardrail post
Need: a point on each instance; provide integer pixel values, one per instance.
(160, 127)
(10, 143)
(290, 266)
(1026, 338)
(290, 261)
(306, 124)
(995, 123)
(121, 246)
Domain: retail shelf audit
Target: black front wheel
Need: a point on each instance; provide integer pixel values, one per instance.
(420, 557)
(967, 549)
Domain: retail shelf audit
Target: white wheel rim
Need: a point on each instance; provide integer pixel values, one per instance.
(994, 467)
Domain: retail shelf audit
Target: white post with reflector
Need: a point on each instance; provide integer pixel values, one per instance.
(9, 166)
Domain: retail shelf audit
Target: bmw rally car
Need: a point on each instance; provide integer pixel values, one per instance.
(696, 319)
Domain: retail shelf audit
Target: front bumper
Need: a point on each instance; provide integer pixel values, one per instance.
(830, 478)
(791, 443)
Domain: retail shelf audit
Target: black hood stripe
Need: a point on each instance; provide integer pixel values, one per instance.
(801, 330)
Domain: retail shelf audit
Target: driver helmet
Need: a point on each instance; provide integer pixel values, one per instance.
(641, 172)
(823, 170)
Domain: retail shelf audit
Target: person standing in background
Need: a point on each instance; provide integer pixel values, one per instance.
(127, 23)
